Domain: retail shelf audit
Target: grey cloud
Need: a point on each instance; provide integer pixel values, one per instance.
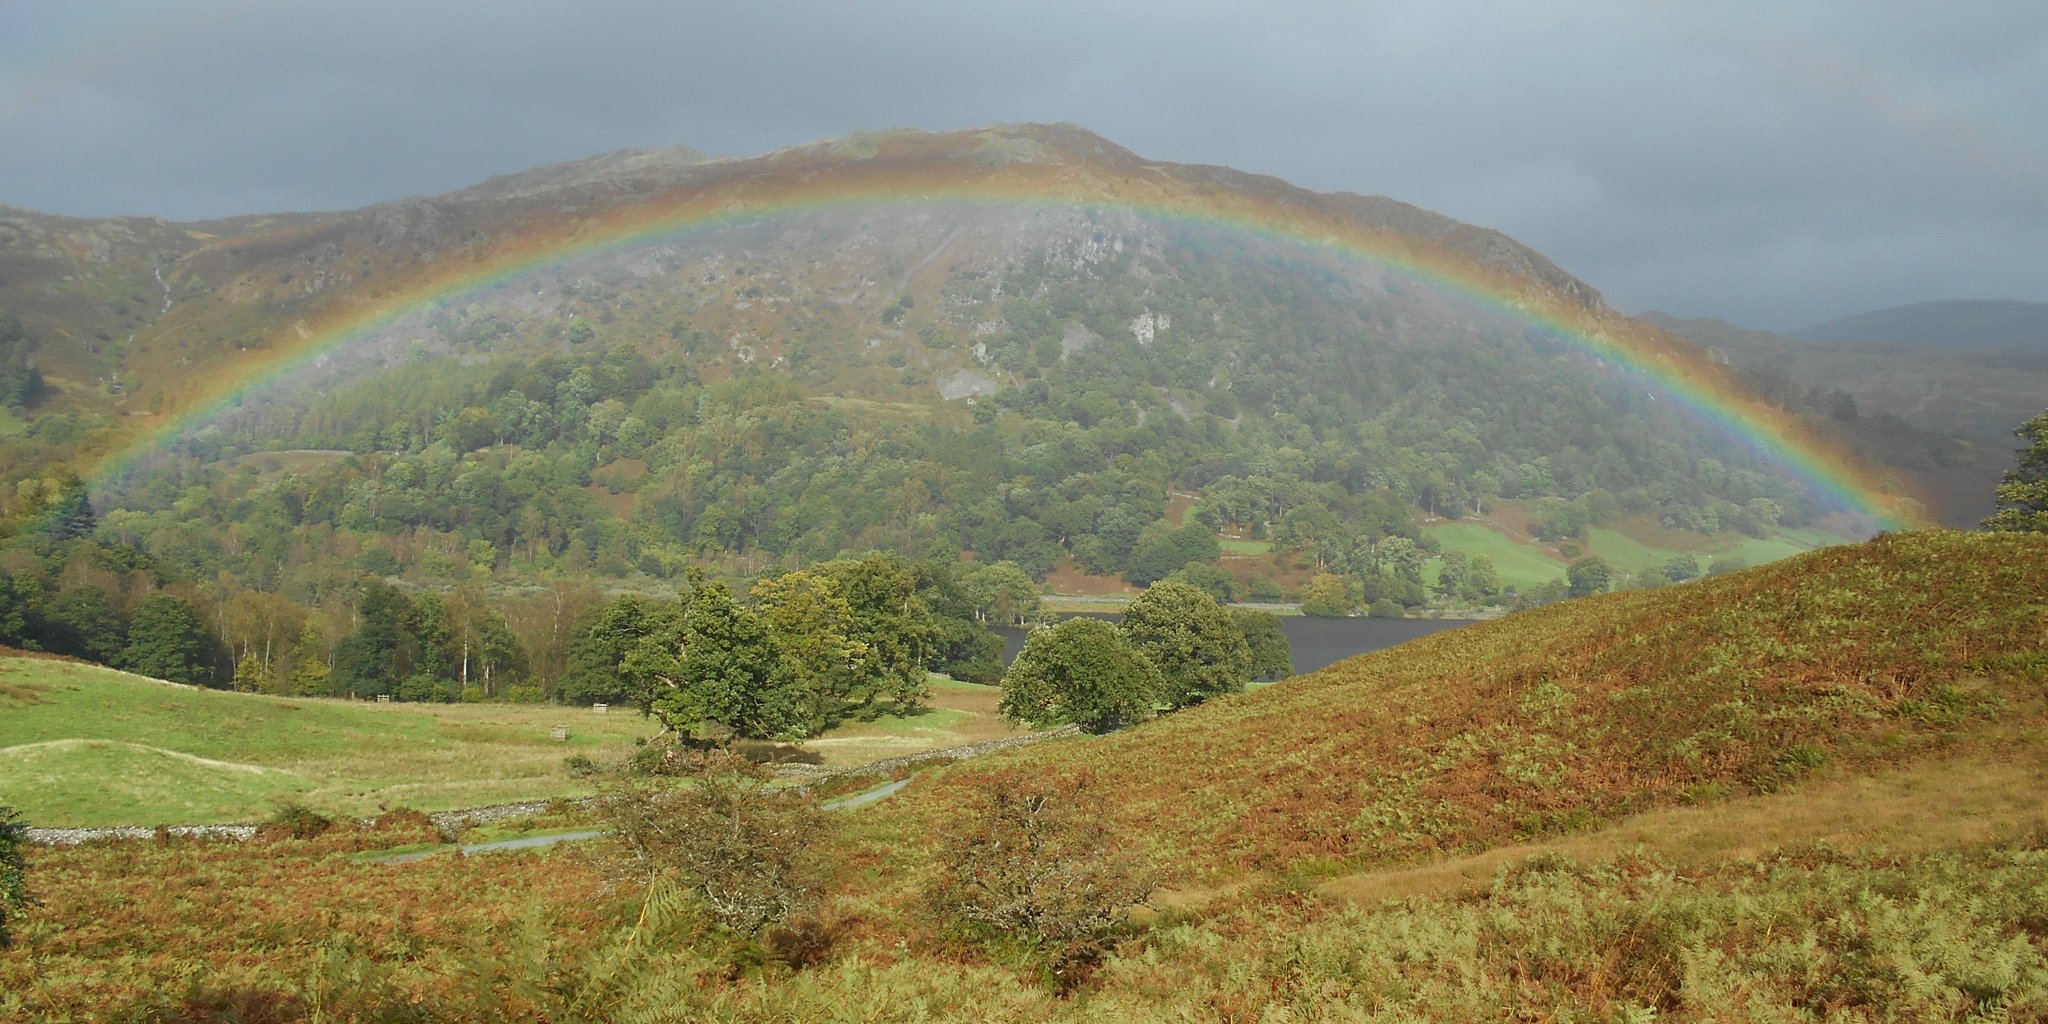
(1773, 167)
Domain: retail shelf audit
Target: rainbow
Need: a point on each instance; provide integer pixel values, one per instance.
(754, 193)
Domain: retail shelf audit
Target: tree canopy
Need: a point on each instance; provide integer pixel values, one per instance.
(1182, 631)
(2023, 495)
(724, 671)
(1081, 671)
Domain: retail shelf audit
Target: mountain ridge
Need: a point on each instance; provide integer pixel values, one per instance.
(1965, 324)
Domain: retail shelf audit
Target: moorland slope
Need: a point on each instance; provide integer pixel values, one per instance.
(1559, 719)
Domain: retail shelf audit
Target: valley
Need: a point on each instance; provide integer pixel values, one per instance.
(1400, 631)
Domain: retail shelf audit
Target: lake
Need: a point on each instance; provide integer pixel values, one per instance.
(1316, 641)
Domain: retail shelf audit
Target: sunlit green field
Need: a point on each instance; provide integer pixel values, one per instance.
(82, 745)
(1630, 555)
(1520, 565)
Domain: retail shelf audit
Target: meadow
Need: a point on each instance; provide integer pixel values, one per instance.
(82, 745)
(1522, 566)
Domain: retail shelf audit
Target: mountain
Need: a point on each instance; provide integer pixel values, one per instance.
(1961, 324)
(1021, 343)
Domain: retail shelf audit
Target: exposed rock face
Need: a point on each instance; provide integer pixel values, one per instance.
(966, 384)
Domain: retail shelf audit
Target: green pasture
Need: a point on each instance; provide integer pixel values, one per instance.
(82, 745)
(1520, 565)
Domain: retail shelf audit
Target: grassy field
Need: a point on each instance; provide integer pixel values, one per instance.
(1630, 554)
(82, 745)
(957, 714)
(1520, 565)
(1235, 546)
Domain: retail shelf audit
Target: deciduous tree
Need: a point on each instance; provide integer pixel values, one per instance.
(1080, 671)
(1272, 655)
(1326, 594)
(1003, 593)
(1184, 633)
(1588, 575)
(2023, 496)
(723, 671)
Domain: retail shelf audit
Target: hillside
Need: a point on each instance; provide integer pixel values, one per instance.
(1944, 326)
(1014, 344)
(1807, 785)
(1564, 718)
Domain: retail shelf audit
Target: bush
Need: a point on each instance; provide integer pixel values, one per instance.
(750, 855)
(294, 820)
(13, 872)
(1038, 864)
(580, 767)
(664, 755)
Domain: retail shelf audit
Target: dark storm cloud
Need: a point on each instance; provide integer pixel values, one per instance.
(1768, 165)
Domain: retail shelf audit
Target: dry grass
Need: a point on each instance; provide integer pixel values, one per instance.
(1939, 805)
(1557, 720)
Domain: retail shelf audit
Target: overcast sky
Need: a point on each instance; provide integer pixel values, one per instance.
(1771, 163)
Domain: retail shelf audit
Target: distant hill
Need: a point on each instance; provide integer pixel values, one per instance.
(1945, 415)
(1958, 324)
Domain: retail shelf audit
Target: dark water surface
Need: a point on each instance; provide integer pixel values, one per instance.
(1316, 641)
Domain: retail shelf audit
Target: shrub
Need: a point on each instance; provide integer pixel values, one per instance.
(13, 872)
(294, 820)
(1038, 864)
(580, 767)
(750, 855)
